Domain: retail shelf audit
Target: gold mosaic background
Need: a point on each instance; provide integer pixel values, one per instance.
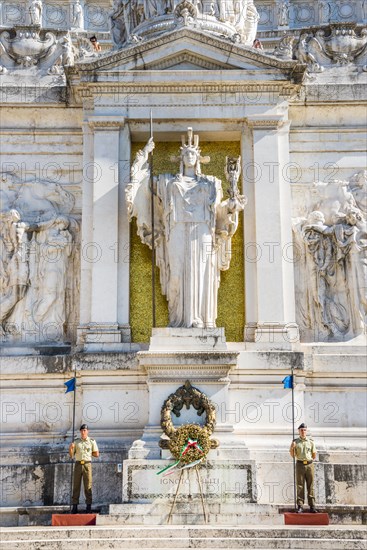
(231, 307)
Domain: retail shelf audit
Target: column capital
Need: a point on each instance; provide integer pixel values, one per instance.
(262, 122)
(106, 122)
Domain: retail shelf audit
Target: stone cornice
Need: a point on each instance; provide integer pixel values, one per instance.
(187, 58)
(106, 122)
(246, 52)
(272, 122)
(86, 91)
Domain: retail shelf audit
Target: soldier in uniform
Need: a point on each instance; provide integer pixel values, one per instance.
(304, 450)
(83, 449)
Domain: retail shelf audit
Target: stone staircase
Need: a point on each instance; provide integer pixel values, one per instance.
(175, 537)
(151, 514)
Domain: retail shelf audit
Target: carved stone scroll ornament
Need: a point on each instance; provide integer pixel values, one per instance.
(132, 20)
(187, 396)
(331, 271)
(284, 49)
(186, 13)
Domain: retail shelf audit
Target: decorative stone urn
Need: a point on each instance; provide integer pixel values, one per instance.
(26, 48)
(343, 44)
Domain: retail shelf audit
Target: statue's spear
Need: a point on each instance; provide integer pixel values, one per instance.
(152, 214)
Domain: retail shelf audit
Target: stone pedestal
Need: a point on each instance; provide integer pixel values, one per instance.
(188, 339)
(167, 370)
(226, 481)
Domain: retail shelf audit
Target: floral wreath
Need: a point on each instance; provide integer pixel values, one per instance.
(190, 443)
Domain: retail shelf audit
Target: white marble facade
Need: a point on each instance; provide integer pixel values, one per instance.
(69, 119)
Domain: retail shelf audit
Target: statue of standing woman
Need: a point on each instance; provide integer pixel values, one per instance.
(193, 230)
(35, 12)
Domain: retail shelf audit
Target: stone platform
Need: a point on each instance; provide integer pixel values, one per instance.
(66, 520)
(184, 513)
(174, 537)
(292, 518)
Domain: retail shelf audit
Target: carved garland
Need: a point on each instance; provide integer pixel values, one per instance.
(187, 395)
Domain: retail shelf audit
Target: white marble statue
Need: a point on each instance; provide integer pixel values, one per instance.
(283, 14)
(249, 30)
(67, 56)
(77, 21)
(331, 271)
(193, 230)
(35, 9)
(116, 18)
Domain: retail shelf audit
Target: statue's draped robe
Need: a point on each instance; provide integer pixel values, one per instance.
(193, 231)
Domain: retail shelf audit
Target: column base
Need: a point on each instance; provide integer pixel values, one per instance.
(276, 335)
(188, 339)
(105, 337)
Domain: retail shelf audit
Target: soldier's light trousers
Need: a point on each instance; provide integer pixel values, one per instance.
(82, 471)
(305, 475)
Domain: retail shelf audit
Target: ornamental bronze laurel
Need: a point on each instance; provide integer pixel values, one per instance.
(186, 396)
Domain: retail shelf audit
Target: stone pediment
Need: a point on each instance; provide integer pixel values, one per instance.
(188, 49)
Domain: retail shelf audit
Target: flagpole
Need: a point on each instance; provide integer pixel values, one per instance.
(72, 440)
(152, 221)
(294, 456)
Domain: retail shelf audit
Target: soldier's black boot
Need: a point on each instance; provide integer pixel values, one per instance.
(299, 509)
(88, 509)
(74, 509)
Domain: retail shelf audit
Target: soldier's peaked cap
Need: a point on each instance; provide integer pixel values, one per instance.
(83, 427)
(303, 425)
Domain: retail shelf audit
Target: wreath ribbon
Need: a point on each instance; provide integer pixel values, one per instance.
(190, 444)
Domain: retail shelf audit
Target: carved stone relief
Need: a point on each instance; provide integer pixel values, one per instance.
(333, 46)
(331, 260)
(131, 21)
(36, 51)
(39, 256)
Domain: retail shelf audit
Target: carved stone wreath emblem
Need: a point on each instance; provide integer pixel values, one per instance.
(186, 396)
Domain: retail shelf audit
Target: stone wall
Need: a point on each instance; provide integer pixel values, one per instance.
(112, 397)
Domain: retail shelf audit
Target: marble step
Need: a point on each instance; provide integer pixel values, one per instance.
(153, 514)
(205, 537)
(192, 514)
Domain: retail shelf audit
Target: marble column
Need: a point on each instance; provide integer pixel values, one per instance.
(105, 271)
(270, 298)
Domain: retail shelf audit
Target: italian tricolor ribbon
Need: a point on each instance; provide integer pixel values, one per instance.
(190, 444)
